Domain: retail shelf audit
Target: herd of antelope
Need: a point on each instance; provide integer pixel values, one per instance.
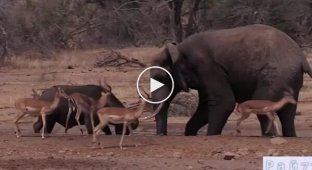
(81, 103)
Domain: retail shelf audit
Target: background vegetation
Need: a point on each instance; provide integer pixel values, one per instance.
(45, 26)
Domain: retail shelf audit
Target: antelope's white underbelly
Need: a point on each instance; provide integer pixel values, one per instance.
(116, 119)
(32, 110)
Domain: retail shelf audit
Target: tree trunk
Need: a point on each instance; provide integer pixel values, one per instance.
(191, 26)
(176, 5)
(4, 41)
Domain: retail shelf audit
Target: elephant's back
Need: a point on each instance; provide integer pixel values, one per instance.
(255, 48)
(248, 40)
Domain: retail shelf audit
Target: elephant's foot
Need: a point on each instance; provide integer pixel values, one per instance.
(162, 134)
(268, 134)
(186, 133)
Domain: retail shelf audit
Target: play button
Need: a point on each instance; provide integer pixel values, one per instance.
(144, 82)
(154, 85)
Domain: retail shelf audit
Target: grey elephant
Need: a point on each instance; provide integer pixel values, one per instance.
(228, 66)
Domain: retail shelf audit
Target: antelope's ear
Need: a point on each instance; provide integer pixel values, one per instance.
(106, 86)
(58, 89)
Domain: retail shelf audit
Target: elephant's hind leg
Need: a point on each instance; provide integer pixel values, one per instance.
(264, 93)
(287, 118)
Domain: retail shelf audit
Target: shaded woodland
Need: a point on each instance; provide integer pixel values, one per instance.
(44, 26)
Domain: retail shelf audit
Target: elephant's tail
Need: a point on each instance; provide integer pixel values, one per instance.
(306, 67)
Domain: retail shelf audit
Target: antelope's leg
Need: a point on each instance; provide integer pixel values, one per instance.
(103, 122)
(44, 121)
(277, 130)
(130, 129)
(78, 113)
(125, 124)
(96, 131)
(70, 110)
(92, 120)
(271, 118)
(269, 126)
(17, 119)
(243, 117)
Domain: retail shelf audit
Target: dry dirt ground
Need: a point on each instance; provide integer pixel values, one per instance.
(144, 150)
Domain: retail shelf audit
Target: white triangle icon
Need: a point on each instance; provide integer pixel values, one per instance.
(154, 85)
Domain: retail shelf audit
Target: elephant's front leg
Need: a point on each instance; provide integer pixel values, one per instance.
(216, 103)
(218, 115)
(220, 102)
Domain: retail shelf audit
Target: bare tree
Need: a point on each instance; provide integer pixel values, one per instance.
(176, 8)
(4, 42)
(191, 26)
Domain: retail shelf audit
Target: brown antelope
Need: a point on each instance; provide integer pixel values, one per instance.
(36, 107)
(262, 107)
(84, 104)
(121, 115)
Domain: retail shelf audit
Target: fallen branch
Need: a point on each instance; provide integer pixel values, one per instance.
(6, 107)
(114, 58)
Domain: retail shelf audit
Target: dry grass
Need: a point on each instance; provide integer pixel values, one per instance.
(78, 58)
(26, 73)
(62, 60)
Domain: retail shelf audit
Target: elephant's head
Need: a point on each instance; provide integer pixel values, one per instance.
(171, 59)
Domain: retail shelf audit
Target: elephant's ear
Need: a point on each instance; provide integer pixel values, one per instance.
(174, 55)
(173, 51)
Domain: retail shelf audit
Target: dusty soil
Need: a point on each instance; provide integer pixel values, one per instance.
(144, 150)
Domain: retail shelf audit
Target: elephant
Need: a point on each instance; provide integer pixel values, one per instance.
(60, 113)
(227, 66)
